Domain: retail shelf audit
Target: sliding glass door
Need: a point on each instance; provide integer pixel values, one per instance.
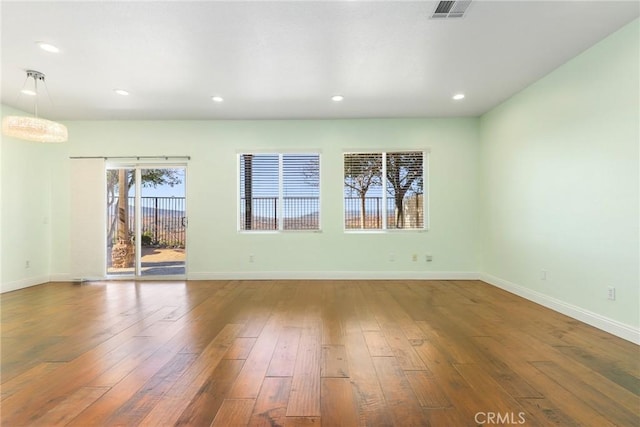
(163, 217)
(146, 221)
(121, 222)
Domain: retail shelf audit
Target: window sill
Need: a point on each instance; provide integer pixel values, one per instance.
(390, 230)
(277, 231)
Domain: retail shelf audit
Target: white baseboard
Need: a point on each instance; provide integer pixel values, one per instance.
(334, 275)
(23, 283)
(301, 275)
(296, 275)
(62, 277)
(606, 324)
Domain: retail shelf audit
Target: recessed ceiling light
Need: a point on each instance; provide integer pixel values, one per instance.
(121, 92)
(28, 92)
(337, 98)
(217, 98)
(458, 96)
(48, 47)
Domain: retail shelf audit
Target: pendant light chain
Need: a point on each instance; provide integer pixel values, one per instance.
(34, 128)
(36, 87)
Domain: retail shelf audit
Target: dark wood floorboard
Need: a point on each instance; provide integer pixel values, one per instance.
(305, 353)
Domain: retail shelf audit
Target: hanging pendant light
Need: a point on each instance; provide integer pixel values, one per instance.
(34, 128)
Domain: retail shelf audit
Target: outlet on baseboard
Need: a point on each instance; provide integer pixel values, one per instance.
(27, 264)
(611, 293)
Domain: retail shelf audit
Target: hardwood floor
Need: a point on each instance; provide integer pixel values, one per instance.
(306, 353)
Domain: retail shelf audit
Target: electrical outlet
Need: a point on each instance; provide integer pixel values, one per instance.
(414, 257)
(251, 258)
(543, 274)
(428, 258)
(27, 264)
(392, 257)
(611, 293)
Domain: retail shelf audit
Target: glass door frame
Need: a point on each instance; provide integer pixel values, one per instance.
(137, 168)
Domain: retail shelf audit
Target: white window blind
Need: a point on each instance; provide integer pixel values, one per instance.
(384, 190)
(259, 191)
(405, 189)
(363, 194)
(279, 191)
(301, 191)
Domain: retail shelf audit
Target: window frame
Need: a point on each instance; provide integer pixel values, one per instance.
(281, 190)
(384, 211)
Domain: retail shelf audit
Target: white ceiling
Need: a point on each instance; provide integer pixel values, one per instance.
(286, 59)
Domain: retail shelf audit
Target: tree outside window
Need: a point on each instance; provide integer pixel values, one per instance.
(384, 190)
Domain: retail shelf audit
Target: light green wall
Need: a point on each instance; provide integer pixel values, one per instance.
(560, 182)
(217, 249)
(25, 218)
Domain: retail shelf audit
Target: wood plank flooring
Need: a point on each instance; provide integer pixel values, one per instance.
(305, 353)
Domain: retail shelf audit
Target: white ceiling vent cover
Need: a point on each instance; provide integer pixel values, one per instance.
(451, 9)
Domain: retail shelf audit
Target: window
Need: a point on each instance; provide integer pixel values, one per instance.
(279, 191)
(384, 190)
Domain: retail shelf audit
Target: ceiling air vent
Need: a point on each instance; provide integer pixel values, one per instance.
(451, 9)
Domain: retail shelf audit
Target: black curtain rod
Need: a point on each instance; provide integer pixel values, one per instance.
(133, 157)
